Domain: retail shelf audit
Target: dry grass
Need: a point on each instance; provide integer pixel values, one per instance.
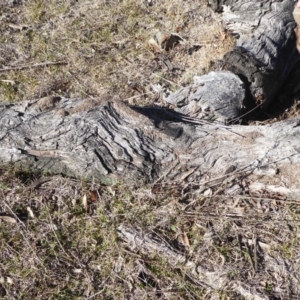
(59, 240)
(104, 45)
(59, 236)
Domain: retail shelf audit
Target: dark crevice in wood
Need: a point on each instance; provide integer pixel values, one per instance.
(265, 60)
(111, 141)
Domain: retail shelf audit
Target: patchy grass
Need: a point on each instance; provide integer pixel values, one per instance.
(59, 236)
(104, 45)
(59, 240)
(56, 246)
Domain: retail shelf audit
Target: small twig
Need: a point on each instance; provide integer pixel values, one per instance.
(247, 169)
(43, 78)
(18, 26)
(208, 216)
(137, 96)
(255, 253)
(99, 292)
(247, 113)
(16, 217)
(257, 198)
(55, 235)
(169, 81)
(25, 228)
(38, 182)
(250, 258)
(45, 64)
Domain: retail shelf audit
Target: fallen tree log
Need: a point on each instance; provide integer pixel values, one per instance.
(264, 56)
(192, 143)
(110, 141)
(265, 53)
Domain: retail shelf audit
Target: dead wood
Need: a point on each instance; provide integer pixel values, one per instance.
(40, 65)
(110, 141)
(205, 274)
(265, 51)
(266, 58)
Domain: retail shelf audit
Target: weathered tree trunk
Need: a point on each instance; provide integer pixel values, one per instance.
(265, 53)
(264, 56)
(109, 140)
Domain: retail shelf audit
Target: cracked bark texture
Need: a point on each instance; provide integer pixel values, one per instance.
(265, 51)
(110, 141)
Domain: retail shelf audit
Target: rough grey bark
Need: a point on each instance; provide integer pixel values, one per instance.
(217, 96)
(265, 53)
(111, 141)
